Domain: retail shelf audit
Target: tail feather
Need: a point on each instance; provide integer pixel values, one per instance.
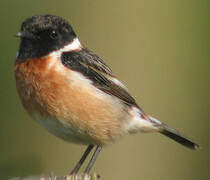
(174, 135)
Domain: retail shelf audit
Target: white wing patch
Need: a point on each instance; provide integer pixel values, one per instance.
(118, 82)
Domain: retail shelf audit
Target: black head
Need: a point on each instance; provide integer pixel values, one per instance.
(43, 34)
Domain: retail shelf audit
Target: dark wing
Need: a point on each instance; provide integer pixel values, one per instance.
(93, 67)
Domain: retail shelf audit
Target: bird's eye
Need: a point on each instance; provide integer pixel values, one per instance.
(53, 35)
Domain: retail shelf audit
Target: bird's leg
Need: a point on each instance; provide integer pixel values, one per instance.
(81, 161)
(93, 159)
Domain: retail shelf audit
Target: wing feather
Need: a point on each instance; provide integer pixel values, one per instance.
(94, 68)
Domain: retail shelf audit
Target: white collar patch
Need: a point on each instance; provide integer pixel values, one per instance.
(72, 46)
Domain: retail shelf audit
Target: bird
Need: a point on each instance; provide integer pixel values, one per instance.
(70, 91)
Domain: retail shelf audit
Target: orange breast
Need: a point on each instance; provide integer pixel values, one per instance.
(67, 104)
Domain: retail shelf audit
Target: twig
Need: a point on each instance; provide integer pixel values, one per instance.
(67, 177)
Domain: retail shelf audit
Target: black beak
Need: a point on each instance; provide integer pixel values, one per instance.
(23, 34)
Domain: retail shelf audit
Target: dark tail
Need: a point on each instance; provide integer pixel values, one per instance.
(175, 135)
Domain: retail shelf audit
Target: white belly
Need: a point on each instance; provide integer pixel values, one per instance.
(62, 130)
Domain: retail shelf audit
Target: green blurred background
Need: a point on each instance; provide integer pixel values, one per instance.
(159, 49)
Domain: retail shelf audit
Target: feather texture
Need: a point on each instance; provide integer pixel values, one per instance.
(93, 67)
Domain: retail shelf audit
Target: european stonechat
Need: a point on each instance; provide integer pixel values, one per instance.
(70, 91)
